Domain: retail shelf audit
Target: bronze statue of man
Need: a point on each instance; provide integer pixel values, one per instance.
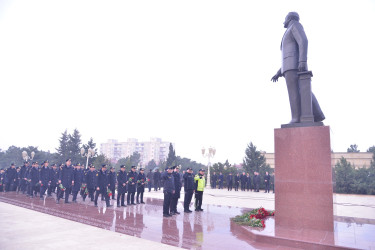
(303, 104)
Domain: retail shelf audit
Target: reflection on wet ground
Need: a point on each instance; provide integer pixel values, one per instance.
(200, 230)
(210, 229)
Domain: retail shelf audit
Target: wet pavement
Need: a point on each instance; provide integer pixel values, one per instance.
(199, 230)
(211, 229)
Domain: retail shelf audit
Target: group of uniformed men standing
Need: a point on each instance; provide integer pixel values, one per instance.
(68, 179)
(246, 181)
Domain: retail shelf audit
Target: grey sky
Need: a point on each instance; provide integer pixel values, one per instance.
(193, 72)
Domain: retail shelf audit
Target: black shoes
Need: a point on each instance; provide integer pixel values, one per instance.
(199, 210)
(188, 211)
(167, 215)
(142, 202)
(123, 205)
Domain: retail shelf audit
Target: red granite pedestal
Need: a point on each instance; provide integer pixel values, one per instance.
(303, 179)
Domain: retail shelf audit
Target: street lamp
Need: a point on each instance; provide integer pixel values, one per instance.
(26, 157)
(90, 153)
(210, 154)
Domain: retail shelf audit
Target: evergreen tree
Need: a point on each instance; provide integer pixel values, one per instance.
(74, 147)
(63, 149)
(344, 173)
(253, 160)
(171, 160)
(353, 149)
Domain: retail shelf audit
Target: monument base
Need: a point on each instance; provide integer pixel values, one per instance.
(302, 124)
(303, 179)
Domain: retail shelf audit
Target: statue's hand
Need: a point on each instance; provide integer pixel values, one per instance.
(302, 66)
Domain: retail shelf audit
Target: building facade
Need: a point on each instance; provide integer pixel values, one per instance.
(155, 149)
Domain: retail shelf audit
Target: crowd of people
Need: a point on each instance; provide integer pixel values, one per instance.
(67, 179)
(244, 181)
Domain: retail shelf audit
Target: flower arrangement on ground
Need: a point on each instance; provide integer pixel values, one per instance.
(254, 218)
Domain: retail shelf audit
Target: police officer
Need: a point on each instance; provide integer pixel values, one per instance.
(177, 188)
(188, 189)
(149, 179)
(122, 180)
(27, 177)
(236, 181)
(141, 180)
(221, 180)
(11, 178)
(256, 181)
(78, 176)
(23, 179)
(102, 185)
(33, 179)
(112, 181)
(230, 181)
(2, 175)
(91, 179)
(132, 181)
(169, 190)
(243, 180)
(66, 179)
(157, 180)
(54, 177)
(44, 178)
(200, 183)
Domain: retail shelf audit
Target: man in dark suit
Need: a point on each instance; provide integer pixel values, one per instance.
(66, 179)
(122, 180)
(294, 60)
(102, 185)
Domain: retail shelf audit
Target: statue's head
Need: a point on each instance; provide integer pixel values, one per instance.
(291, 16)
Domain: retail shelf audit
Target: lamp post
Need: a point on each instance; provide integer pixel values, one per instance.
(210, 154)
(26, 157)
(90, 153)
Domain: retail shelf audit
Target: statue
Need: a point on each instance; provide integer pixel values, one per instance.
(304, 106)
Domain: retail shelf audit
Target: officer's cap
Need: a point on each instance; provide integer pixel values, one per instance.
(25, 162)
(170, 167)
(202, 170)
(104, 165)
(68, 160)
(12, 164)
(134, 167)
(78, 164)
(46, 161)
(141, 169)
(91, 166)
(54, 165)
(122, 166)
(189, 169)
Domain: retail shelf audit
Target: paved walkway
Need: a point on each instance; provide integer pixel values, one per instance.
(27, 229)
(142, 227)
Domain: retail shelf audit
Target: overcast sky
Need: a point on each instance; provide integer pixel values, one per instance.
(196, 73)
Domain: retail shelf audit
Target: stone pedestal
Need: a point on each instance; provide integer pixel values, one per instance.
(303, 179)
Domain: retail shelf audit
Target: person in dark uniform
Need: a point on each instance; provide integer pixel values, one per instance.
(33, 179)
(267, 179)
(54, 177)
(78, 176)
(157, 180)
(221, 180)
(243, 180)
(132, 181)
(27, 176)
(83, 190)
(23, 179)
(11, 178)
(149, 179)
(112, 181)
(66, 179)
(102, 185)
(214, 180)
(177, 188)
(230, 181)
(44, 178)
(122, 180)
(272, 182)
(141, 181)
(248, 182)
(91, 179)
(18, 181)
(169, 190)
(236, 182)
(188, 189)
